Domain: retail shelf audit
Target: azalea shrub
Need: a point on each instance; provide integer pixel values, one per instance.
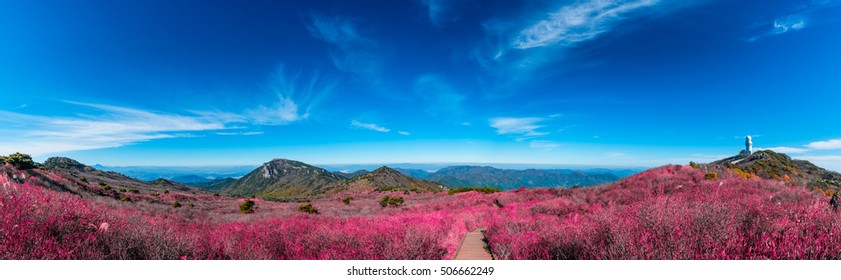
(671, 212)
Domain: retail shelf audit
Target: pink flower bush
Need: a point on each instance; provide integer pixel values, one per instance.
(670, 213)
(663, 213)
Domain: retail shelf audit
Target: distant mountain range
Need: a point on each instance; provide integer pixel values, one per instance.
(181, 174)
(506, 179)
(283, 178)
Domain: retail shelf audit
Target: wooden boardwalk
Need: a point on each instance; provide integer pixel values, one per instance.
(473, 247)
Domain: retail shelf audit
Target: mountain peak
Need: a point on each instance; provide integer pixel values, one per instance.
(283, 178)
(280, 167)
(63, 162)
(385, 170)
(386, 178)
(772, 165)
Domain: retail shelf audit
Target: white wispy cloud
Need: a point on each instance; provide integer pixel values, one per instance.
(369, 126)
(440, 97)
(578, 22)
(294, 97)
(247, 133)
(352, 53)
(111, 126)
(114, 126)
(543, 145)
(283, 112)
(832, 144)
(516, 52)
(518, 126)
(404, 133)
(799, 19)
(782, 25)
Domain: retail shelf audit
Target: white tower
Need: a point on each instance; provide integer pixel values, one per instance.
(748, 145)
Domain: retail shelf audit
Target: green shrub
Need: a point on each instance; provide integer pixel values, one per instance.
(83, 179)
(247, 207)
(123, 190)
(176, 204)
(103, 184)
(20, 161)
(387, 189)
(134, 191)
(216, 194)
(391, 200)
(155, 194)
(166, 191)
(347, 200)
(477, 189)
(711, 176)
(125, 198)
(307, 208)
(395, 201)
(693, 164)
(106, 187)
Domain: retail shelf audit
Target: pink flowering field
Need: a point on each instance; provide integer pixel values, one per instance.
(670, 212)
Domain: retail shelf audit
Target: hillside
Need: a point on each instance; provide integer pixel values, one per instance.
(387, 179)
(507, 179)
(214, 185)
(171, 185)
(283, 178)
(768, 164)
(115, 180)
(670, 212)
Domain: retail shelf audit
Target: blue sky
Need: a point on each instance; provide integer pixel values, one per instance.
(590, 82)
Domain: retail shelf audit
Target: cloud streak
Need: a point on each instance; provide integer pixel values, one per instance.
(294, 98)
(517, 126)
(833, 144)
(798, 20)
(248, 133)
(517, 52)
(369, 126)
(578, 22)
(113, 127)
(783, 25)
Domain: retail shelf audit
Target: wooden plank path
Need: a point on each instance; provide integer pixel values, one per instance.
(473, 246)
